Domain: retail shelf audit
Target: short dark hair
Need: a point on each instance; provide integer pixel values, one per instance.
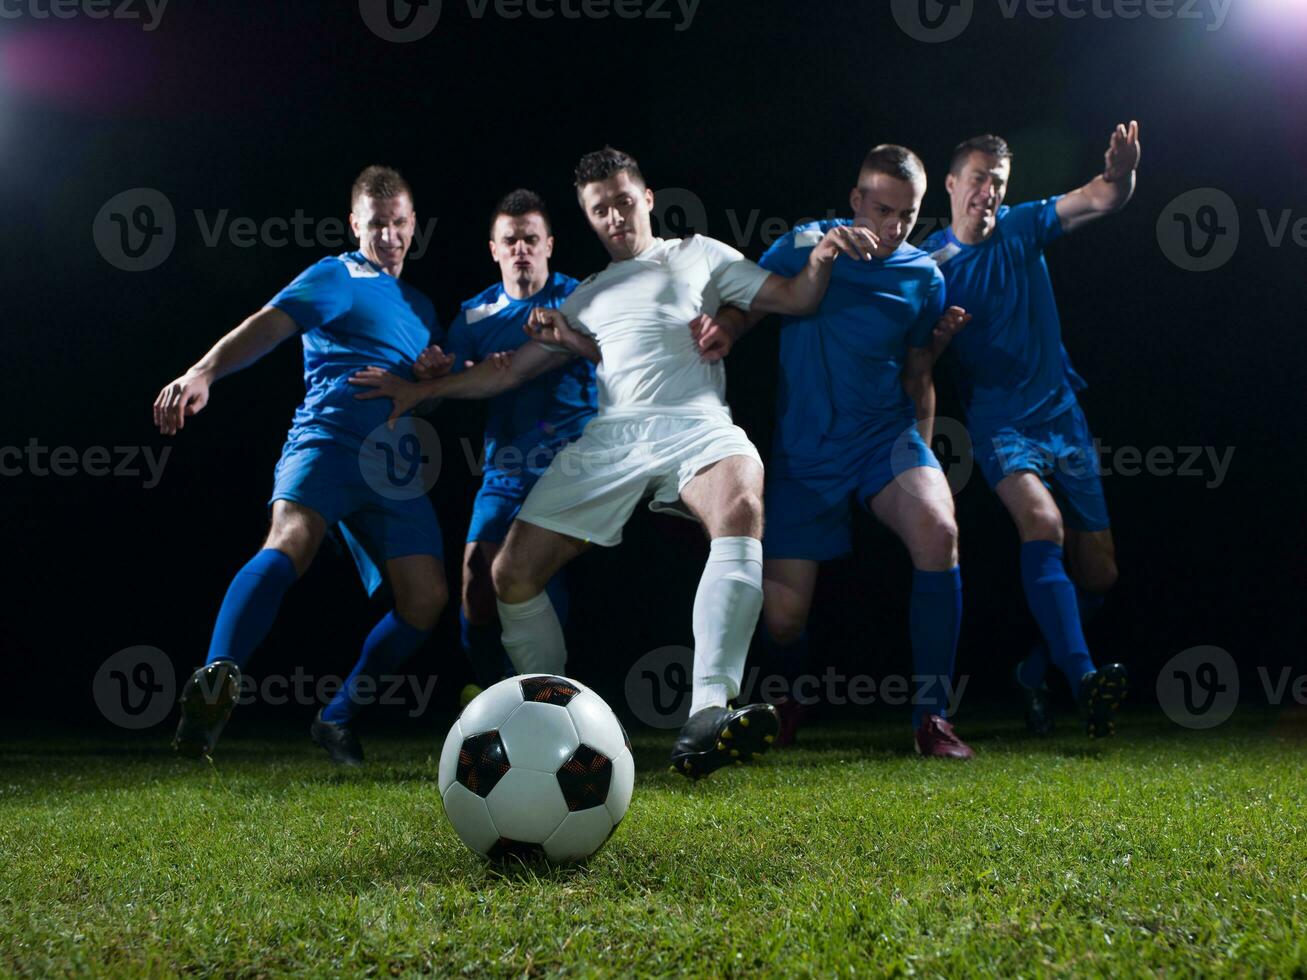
(517, 203)
(897, 161)
(380, 183)
(606, 163)
(989, 144)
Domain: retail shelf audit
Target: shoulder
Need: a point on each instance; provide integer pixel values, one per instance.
(562, 285)
(350, 265)
(711, 248)
(810, 233)
(484, 304)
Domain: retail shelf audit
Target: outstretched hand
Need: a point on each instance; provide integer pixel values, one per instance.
(946, 328)
(434, 363)
(852, 240)
(178, 401)
(549, 326)
(383, 384)
(1123, 152)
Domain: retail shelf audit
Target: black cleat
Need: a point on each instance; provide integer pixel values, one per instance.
(716, 737)
(207, 699)
(341, 743)
(1101, 693)
(1039, 714)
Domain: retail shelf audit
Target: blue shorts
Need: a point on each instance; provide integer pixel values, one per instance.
(809, 502)
(497, 503)
(328, 478)
(1061, 452)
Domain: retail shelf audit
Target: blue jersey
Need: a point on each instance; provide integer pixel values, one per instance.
(1013, 370)
(525, 426)
(351, 315)
(841, 368)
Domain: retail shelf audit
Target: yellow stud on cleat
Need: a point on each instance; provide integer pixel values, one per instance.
(727, 733)
(735, 753)
(769, 739)
(720, 746)
(744, 721)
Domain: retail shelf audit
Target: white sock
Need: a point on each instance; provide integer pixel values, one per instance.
(726, 609)
(533, 637)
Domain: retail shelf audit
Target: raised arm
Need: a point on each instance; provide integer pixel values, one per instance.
(1112, 189)
(802, 294)
(187, 395)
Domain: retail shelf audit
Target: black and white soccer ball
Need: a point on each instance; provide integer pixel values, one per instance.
(536, 765)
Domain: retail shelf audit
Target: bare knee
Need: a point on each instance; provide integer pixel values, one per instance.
(295, 534)
(421, 608)
(935, 542)
(742, 517)
(513, 582)
(784, 626)
(1098, 575)
(1041, 522)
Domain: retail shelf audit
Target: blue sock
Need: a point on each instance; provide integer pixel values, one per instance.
(250, 606)
(935, 620)
(1052, 600)
(1032, 671)
(484, 650)
(788, 661)
(389, 645)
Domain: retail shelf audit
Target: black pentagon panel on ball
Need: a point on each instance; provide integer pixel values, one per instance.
(584, 779)
(545, 689)
(482, 762)
(505, 849)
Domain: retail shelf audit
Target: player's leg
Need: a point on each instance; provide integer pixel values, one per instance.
(244, 620)
(726, 497)
(917, 505)
(421, 593)
(478, 618)
(532, 633)
(788, 585)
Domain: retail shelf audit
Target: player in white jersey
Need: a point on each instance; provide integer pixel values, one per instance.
(663, 431)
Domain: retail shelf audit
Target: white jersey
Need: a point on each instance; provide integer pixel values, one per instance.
(639, 312)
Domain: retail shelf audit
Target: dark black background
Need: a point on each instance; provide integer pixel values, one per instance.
(266, 109)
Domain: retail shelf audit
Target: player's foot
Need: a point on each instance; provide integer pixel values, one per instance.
(1039, 714)
(716, 737)
(468, 695)
(207, 699)
(790, 713)
(1101, 693)
(341, 743)
(935, 739)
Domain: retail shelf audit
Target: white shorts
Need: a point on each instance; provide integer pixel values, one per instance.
(591, 488)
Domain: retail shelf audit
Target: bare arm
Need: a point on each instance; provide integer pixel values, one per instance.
(919, 368)
(802, 294)
(1111, 190)
(485, 380)
(240, 348)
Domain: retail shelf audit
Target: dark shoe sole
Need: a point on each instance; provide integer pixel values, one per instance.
(330, 747)
(1039, 720)
(1102, 696)
(745, 736)
(207, 700)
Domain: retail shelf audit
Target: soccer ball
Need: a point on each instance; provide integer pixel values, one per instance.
(536, 766)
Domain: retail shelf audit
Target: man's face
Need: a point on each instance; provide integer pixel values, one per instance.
(618, 210)
(888, 207)
(522, 246)
(384, 229)
(976, 191)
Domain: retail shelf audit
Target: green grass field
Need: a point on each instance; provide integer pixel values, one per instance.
(1161, 851)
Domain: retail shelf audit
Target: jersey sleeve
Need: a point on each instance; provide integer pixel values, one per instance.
(786, 256)
(736, 278)
(1036, 221)
(316, 296)
(931, 310)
